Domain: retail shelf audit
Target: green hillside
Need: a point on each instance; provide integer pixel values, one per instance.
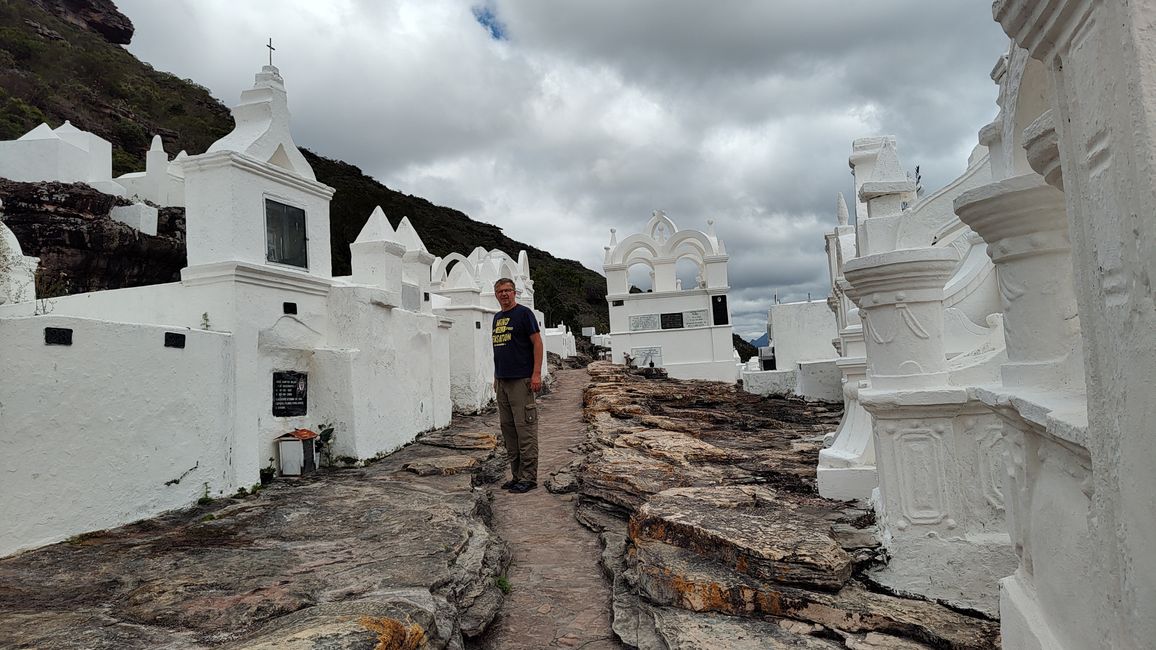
(56, 65)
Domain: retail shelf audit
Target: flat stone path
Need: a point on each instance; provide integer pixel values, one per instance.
(558, 598)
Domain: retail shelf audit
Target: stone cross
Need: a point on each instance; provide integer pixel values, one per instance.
(271, 48)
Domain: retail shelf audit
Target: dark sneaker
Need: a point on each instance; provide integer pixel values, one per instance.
(522, 487)
(509, 484)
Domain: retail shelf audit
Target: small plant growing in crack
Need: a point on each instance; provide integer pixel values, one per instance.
(503, 584)
(205, 498)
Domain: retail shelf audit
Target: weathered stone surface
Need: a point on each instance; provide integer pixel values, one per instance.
(483, 440)
(563, 481)
(674, 576)
(442, 465)
(682, 630)
(627, 477)
(80, 247)
(726, 523)
(750, 530)
(284, 568)
(100, 16)
(676, 447)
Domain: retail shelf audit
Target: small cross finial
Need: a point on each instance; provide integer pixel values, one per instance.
(271, 48)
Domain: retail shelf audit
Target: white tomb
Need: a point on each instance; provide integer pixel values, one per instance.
(928, 304)
(256, 340)
(466, 288)
(65, 154)
(683, 329)
(162, 182)
(1067, 220)
(560, 341)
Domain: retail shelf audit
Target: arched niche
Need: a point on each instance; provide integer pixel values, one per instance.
(640, 276)
(688, 272)
(460, 275)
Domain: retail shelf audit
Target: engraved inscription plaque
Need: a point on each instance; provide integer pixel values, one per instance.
(696, 318)
(672, 321)
(290, 393)
(644, 322)
(647, 357)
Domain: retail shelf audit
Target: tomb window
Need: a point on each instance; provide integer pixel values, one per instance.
(285, 234)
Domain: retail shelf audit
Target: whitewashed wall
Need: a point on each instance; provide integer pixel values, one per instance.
(471, 357)
(111, 429)
(559, 340)
(802, 331)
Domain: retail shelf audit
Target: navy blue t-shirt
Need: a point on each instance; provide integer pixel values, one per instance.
(513, 350)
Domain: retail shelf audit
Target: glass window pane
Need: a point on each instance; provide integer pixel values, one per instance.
(285, 234)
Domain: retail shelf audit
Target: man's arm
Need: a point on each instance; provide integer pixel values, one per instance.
(536, 378)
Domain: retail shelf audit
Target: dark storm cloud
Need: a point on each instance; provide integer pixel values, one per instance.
(560, 120)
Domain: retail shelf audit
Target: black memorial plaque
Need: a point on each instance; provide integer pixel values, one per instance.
(174, 340)
(672, 321)
(719, 310)
(290, 390)
(57, 336)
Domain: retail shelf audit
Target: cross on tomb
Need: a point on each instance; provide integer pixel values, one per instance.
(271, 48)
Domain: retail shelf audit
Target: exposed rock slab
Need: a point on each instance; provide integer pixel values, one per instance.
(81, 248)
(442, 465)
(674, 576)
(481, 440)
(727, 534)
(297, 565)
(750, 530)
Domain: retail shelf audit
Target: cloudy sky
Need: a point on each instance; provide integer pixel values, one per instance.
(560, 120)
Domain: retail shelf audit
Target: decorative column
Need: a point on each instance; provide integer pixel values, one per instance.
(1022, 219)
(1042, 402)
(847, 468)
(938, 452)
(900, 299)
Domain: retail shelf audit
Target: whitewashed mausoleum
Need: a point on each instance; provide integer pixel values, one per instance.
(1005, 355)
(122, 404)
(685, 329)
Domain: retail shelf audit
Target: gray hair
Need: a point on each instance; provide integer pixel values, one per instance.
(502, 281)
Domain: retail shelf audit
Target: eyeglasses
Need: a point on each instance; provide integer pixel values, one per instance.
(501, 291)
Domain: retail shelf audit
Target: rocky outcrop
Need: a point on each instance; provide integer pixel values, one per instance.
(81, 248)
(100, 16)
(329, 560)
(714, 534)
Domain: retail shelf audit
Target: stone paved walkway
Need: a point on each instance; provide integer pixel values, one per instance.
(559, 598)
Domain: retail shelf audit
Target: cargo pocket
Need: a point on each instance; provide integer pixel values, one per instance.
(531, 414)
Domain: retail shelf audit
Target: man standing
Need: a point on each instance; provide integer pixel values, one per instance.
(517, 376)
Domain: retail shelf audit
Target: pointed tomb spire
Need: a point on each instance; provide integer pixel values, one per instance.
(841, 210)
(262, 125)
(376, 228)
(887, 178)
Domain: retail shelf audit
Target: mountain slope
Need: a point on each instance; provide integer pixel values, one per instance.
(59, 60)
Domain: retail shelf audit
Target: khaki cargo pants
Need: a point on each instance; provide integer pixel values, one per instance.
(519, 417)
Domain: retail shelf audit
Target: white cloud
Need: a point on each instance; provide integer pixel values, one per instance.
(588, 115)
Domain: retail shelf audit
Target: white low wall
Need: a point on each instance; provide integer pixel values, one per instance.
(819, 380)
(560, 341)
(769, 382)
(802, 331)
(111, 429)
